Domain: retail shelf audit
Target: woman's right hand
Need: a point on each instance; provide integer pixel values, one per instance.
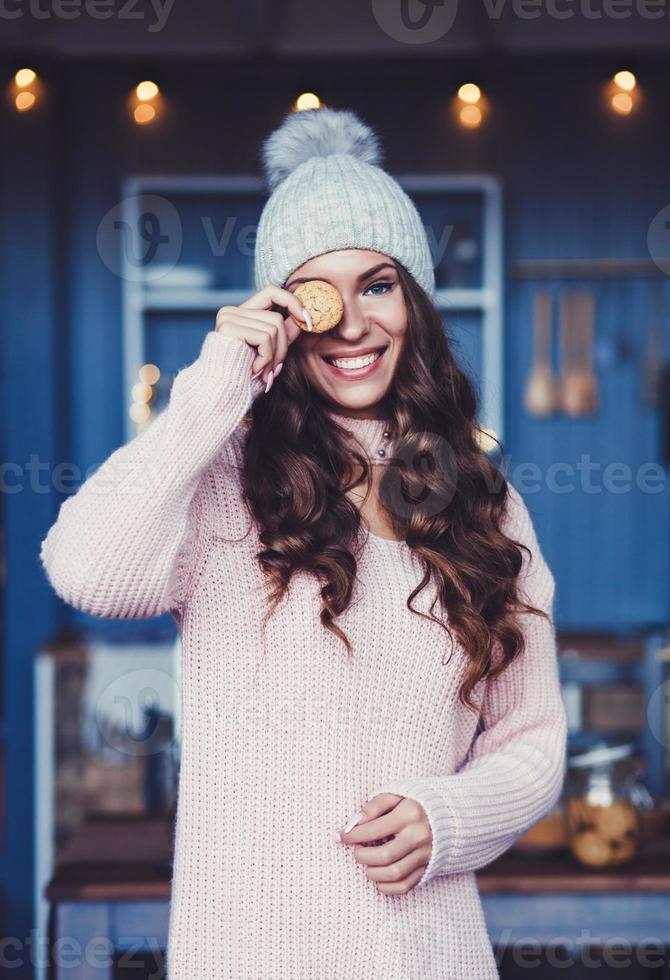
(264, 328)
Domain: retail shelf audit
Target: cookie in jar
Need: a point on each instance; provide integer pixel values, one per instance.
(602, 821)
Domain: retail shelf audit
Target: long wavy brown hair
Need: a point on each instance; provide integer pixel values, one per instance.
(441, 492)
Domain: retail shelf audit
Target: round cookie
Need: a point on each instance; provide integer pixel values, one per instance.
(323, 302)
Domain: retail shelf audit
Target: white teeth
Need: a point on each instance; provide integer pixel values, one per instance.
(351, 363)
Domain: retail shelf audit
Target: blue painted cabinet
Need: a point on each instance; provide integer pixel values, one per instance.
(595, 485)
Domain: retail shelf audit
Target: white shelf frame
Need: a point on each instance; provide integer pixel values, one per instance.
(139, 298)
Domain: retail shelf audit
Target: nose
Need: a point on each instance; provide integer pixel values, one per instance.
(352, 325)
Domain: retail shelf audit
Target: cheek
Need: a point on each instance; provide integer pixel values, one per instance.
(306, 355)
(396, 328)
(302, 348)
(395, 320)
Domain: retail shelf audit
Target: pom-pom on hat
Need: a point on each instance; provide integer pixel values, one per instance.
(329, 192)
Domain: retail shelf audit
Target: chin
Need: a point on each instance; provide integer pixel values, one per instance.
(368, 403)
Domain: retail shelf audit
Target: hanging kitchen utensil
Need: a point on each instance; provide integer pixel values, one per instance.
(540, 394)
(569, 377)
(653, 354)
(579, 394)
(585, 321)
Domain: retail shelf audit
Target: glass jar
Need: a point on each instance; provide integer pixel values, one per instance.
(602, 821)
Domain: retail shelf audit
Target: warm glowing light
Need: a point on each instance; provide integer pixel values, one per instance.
(469, 93)
(24, 77)
(24, 100)
(149, 373)
(470, 116)
(486, 439)
(308, 100)
(144, 113)
(622, 103)
(141, 392)
(146, 91)
(139, 412)
(625, 80)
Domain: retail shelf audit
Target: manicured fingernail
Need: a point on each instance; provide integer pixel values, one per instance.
(352, 821)
(337, 838)
(308, 319)
(254, 376)
(278, 368)
(271, 378)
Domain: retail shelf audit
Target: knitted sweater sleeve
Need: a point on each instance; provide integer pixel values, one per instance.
(124, 544)
(514, 771)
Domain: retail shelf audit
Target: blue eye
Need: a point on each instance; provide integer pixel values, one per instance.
(388, 285)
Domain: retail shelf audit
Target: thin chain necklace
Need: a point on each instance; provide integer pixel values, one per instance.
(380, 452)
(387, 435)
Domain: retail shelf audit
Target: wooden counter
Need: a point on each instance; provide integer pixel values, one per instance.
(116, 874)
(515, 873)
(115, 858)
(129, 857)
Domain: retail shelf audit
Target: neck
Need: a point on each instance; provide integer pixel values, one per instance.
(368, 433)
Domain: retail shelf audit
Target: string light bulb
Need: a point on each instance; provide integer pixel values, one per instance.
(623, 93)
(622, 103)
(24, 101)
(142, 393)
(144, 113)
(149, 374)
(625, 80)
(470, 116)
(307, 100)
(470, 93)
(139, 412)
(146, 91)
(24, 77)
(487, 439)
(26, 88)
(145, 102)
(469, 105)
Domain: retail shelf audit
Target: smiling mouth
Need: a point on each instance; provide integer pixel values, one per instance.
(354, 363)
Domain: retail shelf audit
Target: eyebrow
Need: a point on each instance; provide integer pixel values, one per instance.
(363, 276)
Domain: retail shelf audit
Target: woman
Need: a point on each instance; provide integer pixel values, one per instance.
(371, 705)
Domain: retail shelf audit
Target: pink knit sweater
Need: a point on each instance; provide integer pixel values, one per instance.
(278, 752)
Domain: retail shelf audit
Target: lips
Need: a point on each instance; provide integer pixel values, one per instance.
(352, 355)
(353, 374)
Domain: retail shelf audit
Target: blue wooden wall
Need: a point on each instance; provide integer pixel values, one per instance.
(33, 418)
(577, 181)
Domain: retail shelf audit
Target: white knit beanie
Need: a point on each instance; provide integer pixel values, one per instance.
(328, 192)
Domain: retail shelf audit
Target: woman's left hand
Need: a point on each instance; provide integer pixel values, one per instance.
(397, 864)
